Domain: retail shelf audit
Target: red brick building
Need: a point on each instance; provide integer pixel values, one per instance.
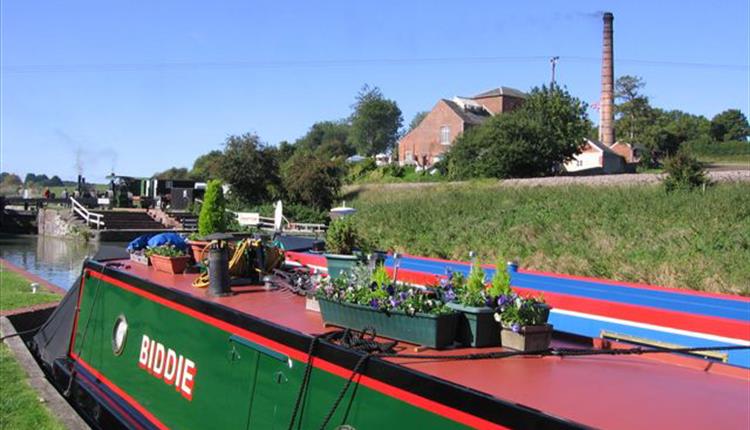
(448, 119)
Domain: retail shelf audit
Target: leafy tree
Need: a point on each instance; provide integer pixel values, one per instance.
(212, 218)
(251, 168)
(55, 181)
(417, 120)
(547, 130)
(634, 112)
(375, 122)
(730, 125)
(173, 173)
(207, 166)
(328, 139)
(284, 151)
(10, 179)
(311, 180)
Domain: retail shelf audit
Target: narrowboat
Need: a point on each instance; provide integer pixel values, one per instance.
(136, 348)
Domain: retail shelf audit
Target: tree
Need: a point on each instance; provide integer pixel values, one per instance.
(178, 173)
(284, 151)
(375, 122)
(30, 179)
(329, 139)
(207, 166)
(730, 125)
(251, 168)
(212, 218)
(418, 117)
(10, 179)
(312, 180)
(633, 111)
(54, 181)
(547, 130)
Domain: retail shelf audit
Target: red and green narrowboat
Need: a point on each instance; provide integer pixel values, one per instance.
(137, 348)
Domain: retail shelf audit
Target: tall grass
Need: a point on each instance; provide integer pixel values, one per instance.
(638, 234)
(720, 152)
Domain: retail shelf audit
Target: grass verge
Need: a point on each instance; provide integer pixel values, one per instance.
(20, 407)
(629, 233)
(15, 291)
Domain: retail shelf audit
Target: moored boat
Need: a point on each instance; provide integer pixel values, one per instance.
(152, 351)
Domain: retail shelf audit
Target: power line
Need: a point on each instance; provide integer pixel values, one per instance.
(335, 63)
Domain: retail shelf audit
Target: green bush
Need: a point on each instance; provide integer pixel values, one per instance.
(213, 217)
(343, 237)
(684, 172)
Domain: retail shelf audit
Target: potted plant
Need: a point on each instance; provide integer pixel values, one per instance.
(212, 219)
(168, 258)
(342, 240)
(363, 299)
(476, 303)
(524, 322)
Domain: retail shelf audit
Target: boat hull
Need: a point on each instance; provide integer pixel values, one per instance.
(187, 363)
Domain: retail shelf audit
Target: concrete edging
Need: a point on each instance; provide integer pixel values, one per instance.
(48, 395)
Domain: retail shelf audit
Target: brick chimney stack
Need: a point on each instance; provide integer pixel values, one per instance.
(607, 102)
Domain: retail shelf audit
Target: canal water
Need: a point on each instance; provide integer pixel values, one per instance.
(56, 260)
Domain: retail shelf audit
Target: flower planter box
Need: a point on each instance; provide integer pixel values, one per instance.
(476, 326)
(172, 265)
(434, 331)
(196, 248)
(339, 265)
(528, 338)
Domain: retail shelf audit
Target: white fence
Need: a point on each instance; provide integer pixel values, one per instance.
(88, 216)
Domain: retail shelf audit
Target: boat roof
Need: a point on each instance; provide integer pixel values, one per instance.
(599, 391)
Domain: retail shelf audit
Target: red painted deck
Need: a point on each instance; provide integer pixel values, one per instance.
(600, 391)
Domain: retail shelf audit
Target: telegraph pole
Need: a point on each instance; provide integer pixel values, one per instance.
(553, 61)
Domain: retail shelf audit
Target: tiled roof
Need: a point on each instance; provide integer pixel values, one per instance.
(468, 117)
(502, 91)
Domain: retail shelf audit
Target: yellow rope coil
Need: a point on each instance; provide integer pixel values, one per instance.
(236, 263)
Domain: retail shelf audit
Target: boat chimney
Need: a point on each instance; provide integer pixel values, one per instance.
(607, 102)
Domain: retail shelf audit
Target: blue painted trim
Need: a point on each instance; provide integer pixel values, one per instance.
(668, 300)
(593, 328)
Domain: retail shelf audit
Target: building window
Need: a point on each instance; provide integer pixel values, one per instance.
(445, 135)
(579, 163)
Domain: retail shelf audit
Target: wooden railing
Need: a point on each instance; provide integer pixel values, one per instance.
(88, 216)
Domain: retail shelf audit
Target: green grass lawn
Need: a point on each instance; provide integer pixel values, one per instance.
(15, 291)
(19, 404)
(628, 233)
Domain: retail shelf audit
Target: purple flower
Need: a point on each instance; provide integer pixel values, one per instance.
(403, 295)
(390, 290)
(449, 295)
(395, 303)
(516, 327)
(444, 282)
(489, 301)
(503, 300)
(374, 303)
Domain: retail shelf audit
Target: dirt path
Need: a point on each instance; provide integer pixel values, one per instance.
(623, 179)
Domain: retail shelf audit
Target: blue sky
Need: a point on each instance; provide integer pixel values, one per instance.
(145, 85)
